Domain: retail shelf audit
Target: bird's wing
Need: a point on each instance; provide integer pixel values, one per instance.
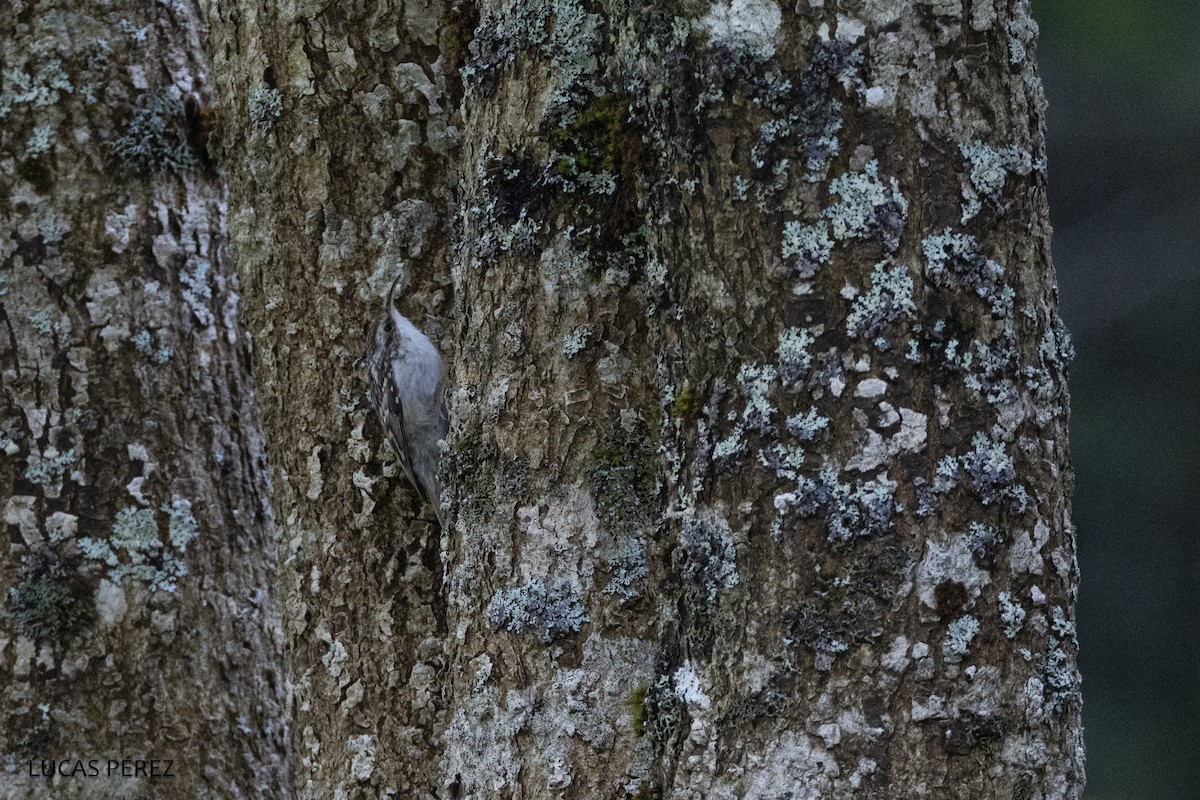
(397, 436)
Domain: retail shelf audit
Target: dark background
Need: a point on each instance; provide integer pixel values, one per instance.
(1124, 160)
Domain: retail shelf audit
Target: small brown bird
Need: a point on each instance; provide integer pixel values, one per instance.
(406, 387)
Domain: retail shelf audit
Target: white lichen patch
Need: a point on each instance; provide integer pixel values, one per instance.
(889, 298)
(19, 511)
(959, 636)
(134, 550)
(873, 449)
(547, 612)
(806, 247)
(988, 172)
(689, 689)
(744, 26)
(870, 387)
(896, 658)
(1012, 615)
(795, 360)
(46, 469)
(914, 429)
(868, 205)
(111, 604)
(362, 756)
(850, 29)
(948, 559)
(792, 765)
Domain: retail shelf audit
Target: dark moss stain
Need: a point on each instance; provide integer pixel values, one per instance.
(33, 171)
(599, 138)
(51, 601)
(517, 186)
(688, 404)
(624, 479)
(850, 596)
(951, 598)
(637, 711)
(458, 26)
(973, 732)
(482, 490)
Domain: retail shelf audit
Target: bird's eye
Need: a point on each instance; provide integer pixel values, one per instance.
(387, 326)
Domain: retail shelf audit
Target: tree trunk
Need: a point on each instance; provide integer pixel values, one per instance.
(140, 651)
(758, 471)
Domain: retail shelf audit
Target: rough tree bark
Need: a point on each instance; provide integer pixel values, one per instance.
(139, 622)
(758, 478)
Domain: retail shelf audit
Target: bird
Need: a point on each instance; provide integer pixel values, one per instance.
(406, 381)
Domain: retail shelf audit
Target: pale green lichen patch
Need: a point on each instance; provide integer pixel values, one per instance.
(989, 368)
(864, 508)
(1016, 50)
(559, 29)
(808, 426)
(805, 113)
(987, 469)
(546, 612)
(196, 290)
(143, 343)
(576, 341)
(889, 299)
(182, 527)
(265, 107)
(1012, 615)
(868, 206)
(952, 257)
(989, 169)
(806, 247)
(959, 636)
(39, 141)
(40, 89)
(755, 381)
(991, 473)
(784, 458)
(627, 563)
(1055, 347)
(154, 136)
(134, 550)
(43, 323)
(1061, 680)
(47, 468)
